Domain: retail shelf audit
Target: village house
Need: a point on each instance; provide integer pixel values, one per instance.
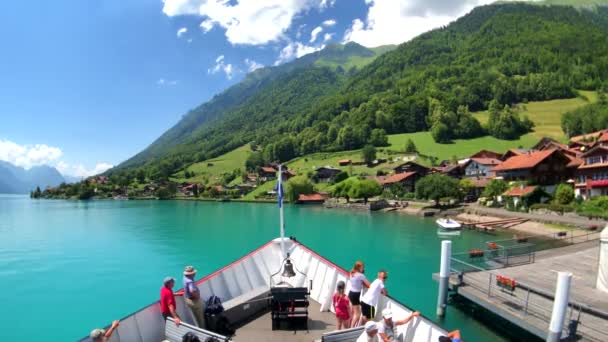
(524, 196)
(592, 174)
(287, 174)
(411, 166)
(480, 167)
(586, 141)
(99, 180)
(547, 167)
(190, 189)
(451, 170)
(344, 162)
(512, 153)
(326, 174)
(314, 198)
(486, 154)
(267, 173)
(406, 180)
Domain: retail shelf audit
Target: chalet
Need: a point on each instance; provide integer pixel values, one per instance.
(407, 180)
(524, 196)
(547, 167)
(590, 139)
(189, 189)
(326, 173)
(99, 180)
(267, 173)
(251, 178)
(243, 188)
(314, 198)
(592, 174)
(479, 185)
(411, 166)
(287, 174)
(480, 167)
(344, 162)
(486, 154)
(547, 143)
(452, 170)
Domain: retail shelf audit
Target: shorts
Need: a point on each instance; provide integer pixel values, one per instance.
(368, 311)
(354, 298)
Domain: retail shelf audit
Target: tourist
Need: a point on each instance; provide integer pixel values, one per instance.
(370, 334)
(167, 300)
(192, 296)
(387, 328)
(357, 281)
(453, 336)
(370, 298)
(341, 306)
(100, 335)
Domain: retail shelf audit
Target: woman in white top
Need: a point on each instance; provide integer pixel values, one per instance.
(357, 281)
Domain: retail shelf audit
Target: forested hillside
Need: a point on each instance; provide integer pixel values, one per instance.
(497, 55)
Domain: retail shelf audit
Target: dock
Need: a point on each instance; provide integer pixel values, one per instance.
(530, 304)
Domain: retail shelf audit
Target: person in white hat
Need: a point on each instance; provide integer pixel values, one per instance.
(192, 296)
(101, 335)
(370, 333)
(387, 328)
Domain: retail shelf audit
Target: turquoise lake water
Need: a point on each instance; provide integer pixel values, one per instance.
(70, 266)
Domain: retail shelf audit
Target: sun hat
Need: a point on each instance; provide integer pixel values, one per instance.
(96, 334)
(189, 270)
(387, 313)
(167, 280)
(370, 326)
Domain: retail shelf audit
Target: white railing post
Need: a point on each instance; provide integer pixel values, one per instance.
(560, 306)
(444, 277)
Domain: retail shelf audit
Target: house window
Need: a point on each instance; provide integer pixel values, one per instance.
(594, 160)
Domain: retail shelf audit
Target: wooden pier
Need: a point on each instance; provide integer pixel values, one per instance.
(530, 305)
(490, 226)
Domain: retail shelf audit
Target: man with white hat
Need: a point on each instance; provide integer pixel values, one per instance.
(100, 335)
(387, 328)
(192, 296)
(370, 334)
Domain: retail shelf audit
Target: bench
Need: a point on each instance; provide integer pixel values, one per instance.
(347, 335)
(175, 333)
(242, 308)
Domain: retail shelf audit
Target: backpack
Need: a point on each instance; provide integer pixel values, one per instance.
(214, 306)
(190, 337)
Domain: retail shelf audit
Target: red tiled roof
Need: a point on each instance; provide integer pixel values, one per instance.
(520, 191)
(396, 178)
(314, 197)
(574, 161)
(268, 169)
(486, 161)
(524, 161)
(579, 138)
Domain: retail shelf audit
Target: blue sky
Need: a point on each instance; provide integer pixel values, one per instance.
(87, 84)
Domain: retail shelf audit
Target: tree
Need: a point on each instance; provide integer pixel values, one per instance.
(466, 186)
(254, 160)
(564, 194)
(141, 176)
(163, 193)
(86, 192)
(342, 175)
(437, 186)
(378, 137)
(342, 189)
(364, 188)
(440, 133)
(368, 153)
(297, 186)
(495, 187)
(410, 147)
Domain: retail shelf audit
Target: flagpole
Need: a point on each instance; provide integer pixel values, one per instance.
(281, 217)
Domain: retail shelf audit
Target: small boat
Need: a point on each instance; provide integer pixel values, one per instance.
(448, 224)
(281, 291)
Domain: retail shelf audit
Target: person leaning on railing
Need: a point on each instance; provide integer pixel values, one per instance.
(101, 335)
(167, 300)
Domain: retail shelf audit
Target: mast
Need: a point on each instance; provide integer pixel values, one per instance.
(281, 216)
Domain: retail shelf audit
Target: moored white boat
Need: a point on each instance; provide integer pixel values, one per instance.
(448, 224)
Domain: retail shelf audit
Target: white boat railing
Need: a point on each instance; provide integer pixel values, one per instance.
(249, 277)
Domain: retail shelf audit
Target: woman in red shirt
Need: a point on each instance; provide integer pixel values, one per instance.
(342, 306)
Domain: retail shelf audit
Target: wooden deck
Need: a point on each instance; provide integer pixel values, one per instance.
(532, 311)
(259, 329)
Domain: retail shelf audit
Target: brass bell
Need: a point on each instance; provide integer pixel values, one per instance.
(288, 269)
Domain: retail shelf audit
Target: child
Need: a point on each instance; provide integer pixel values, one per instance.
(341, 306)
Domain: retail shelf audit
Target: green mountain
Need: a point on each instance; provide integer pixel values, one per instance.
(336, 99)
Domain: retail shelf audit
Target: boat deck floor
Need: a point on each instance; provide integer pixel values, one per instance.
(260, 328)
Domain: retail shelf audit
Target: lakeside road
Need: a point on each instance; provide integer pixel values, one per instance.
(544, 218)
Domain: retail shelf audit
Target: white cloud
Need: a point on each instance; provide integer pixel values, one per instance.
(295, 50)
(329, 23)
(245, 21)
(27, 156)
(252, 65)
(80, 171)
(181, 32)
(220, 65)
(396, 21)
(314, 33)
(163, 82)
(327, 37)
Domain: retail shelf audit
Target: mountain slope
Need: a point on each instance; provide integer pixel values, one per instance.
(17, 180)
(328, 67)
(508, 53)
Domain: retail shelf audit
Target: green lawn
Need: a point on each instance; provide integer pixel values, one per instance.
(546, 115)
(225, 163)
(260, 190)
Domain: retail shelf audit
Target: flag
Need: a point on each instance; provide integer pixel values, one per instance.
(280, 194)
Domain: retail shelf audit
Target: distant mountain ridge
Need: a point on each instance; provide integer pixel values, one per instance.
(17, 180)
